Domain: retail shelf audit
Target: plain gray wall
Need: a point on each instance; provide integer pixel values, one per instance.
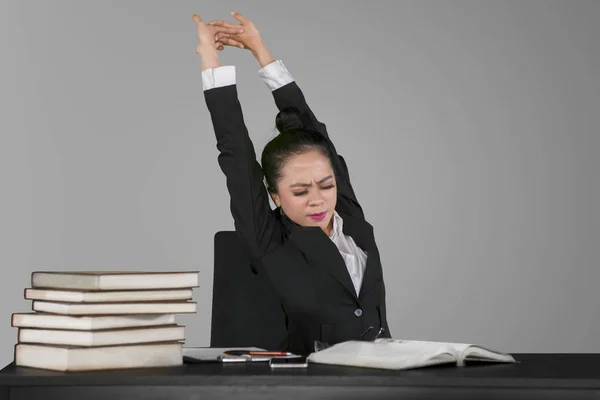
(470, 128)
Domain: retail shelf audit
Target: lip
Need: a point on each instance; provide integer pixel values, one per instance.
(318, 216)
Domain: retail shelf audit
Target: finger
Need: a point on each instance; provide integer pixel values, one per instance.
(231, 42)
(199, 25)
(196, 18)
(220, 22)
(240, 17)
(226, 26)
(235, 29)
(221, 35)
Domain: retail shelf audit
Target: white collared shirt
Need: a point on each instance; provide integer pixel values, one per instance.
(354, 257)
(276, 75)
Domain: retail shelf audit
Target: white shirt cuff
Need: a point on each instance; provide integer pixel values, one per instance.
(218, 77)
(275, 75)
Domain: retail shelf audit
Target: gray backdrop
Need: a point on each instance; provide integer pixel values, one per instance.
(470, 129)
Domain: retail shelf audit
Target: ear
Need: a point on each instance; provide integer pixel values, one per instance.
(275, 198)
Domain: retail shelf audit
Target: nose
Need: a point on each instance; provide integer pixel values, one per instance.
(316, 199)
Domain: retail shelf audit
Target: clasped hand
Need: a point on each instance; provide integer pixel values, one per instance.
(220, 33)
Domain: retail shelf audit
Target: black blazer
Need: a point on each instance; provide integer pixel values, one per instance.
(302, 263)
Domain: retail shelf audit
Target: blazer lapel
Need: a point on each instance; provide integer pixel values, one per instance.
(360, 230)
(372, 274)
(362, 233)
(320, 250)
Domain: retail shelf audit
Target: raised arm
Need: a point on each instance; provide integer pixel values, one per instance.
(287, 93)
(249, 202)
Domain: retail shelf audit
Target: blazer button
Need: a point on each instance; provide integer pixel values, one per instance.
(358, 312)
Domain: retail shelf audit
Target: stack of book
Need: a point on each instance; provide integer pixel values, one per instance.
(96, 320)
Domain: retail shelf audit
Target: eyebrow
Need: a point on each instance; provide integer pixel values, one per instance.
(300, 184)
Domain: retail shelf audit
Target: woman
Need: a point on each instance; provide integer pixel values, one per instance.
(316, 247)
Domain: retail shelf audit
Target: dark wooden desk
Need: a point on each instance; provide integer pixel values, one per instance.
(548, 376)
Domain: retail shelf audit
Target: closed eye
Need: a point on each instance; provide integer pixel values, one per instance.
(302, 193)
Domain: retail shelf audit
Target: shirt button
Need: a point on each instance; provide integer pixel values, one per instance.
(358, 312)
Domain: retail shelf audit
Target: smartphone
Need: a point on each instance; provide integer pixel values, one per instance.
(288, 362)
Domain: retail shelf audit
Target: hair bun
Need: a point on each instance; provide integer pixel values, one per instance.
(289, 119)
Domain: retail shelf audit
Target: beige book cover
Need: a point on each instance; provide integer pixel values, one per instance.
(106, 337)
(71, 358)
(88, 323)
(107, 296)
(174, 307)
(113, 280)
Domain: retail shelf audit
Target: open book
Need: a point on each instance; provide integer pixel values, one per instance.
(405, 354)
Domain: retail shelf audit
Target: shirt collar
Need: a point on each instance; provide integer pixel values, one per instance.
(338, 225)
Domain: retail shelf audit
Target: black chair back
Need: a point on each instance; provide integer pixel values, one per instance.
(245, 310)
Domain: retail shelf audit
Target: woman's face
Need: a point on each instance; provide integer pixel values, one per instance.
(307, 191)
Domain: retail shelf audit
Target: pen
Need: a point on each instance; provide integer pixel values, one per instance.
(258, 353)
(241, 359)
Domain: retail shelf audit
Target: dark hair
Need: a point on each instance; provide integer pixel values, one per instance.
(295, 137)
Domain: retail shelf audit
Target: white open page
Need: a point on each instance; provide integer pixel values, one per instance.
(385, 355)
(463, 351)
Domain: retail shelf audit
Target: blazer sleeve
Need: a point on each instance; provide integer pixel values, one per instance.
(290, 95)
(249, 202)
(383, 314)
